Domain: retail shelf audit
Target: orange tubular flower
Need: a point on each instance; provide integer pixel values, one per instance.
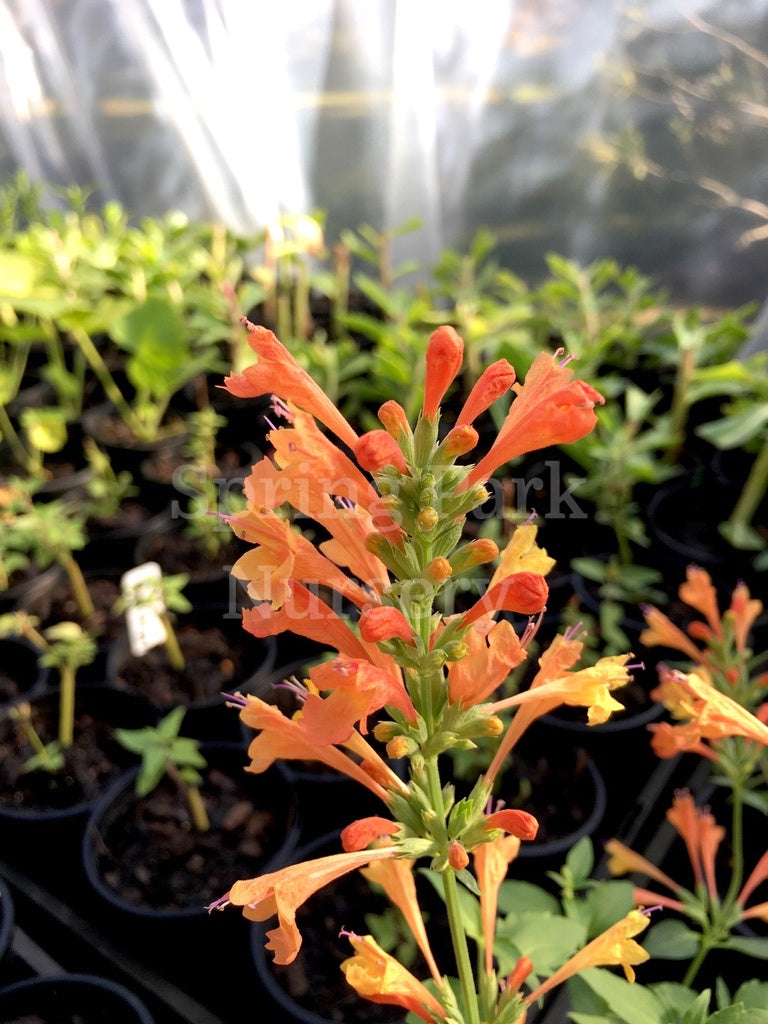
(377, 976)
(550, 408)
(523, 592)
(661, 632)
(445, 352)
(493, 382)
(358, 689)
(396, 879)
(492, 862)
(671, 740)
(623, 861)
(278, 373)
(742, 613)
(493, 651)
(699, 593)
(283, 892)
(283, 738)
(394, 419)
(378, 449)
(616, 946)
(385, 623)
(282, 555)
(306, 615)
(361, 833)
(516, 823)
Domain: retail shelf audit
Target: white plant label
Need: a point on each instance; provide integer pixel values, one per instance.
(145, 606)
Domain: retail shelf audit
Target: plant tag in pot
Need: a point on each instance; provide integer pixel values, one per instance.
(143, 595)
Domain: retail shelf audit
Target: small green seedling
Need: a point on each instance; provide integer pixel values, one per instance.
(164, 752)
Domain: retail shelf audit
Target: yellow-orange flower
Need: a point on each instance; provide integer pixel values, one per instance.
(623, 861)
(492, 862)
(588, 687)
(742, 613)
(283, 892)
(717, 715)
(522, 554)
(377, 976)
(396, 879)
(615, 947)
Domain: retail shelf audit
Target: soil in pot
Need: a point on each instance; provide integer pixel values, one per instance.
(177, 552)
(218, 657)
(143, 855)
(90, 764)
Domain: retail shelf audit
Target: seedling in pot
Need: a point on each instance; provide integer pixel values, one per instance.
(46, 533)
(106, 489)
(164, 752)
(148, 599)
(67, 647)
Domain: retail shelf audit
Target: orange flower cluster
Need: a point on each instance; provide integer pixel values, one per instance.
(702, 836)
(390, 506)
(717, 698)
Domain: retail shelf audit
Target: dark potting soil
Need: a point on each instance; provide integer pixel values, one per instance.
(92, 761)
(151, 856)
(211, 663)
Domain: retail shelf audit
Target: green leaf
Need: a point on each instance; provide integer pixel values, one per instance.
(675, 999)
(630, 1002)
(609, 902)
(154, 760)
(671, 940)
(548, 940)
(518, 897)
(753, 994)
(581, 859)
(739, 1015)
(734, 431)
(468, 904)
(747, 945)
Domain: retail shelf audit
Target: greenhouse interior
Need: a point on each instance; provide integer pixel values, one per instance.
(383, 512)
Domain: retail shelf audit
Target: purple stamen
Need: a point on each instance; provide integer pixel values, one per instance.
(235, 700)
(219, 904)
(650, 910)
(573, 631)
(269, 423)
(279, 408)
(292, 685)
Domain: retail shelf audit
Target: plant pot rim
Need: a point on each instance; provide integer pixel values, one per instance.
(282, 855)
(75, 980)
(561, 844)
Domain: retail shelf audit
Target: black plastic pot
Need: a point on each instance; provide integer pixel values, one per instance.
(7, 917)
(241, 660)
(271, 798)
(21, 674)
(72, 999)
(41, 812)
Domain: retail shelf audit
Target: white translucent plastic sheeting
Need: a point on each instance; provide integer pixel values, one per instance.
(592, 128)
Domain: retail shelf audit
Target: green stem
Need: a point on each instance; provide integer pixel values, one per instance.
(680, 404)
(175, 656)
(698, 960)
(9, 435)
(737, 841)
(79, 588)
(105, 378)
(451, 888)
(753, 491)
(67, 706)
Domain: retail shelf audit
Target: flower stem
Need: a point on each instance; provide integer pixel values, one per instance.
(698, 960)
(453, 907)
